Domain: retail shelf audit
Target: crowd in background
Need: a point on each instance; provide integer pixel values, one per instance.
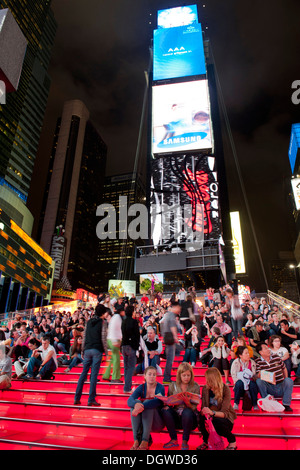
(241, 337)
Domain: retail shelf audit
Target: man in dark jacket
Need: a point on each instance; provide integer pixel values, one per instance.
(130, 345)
(94, 346)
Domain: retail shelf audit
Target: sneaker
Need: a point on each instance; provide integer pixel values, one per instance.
(236, 406)
(159, 370)
(167, 382)
(287, 408)
(256, 408)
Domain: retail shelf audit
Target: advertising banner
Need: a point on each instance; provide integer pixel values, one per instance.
(119, 288)
(181, 117)
(178, 16)
(296, 191)
(178, 52)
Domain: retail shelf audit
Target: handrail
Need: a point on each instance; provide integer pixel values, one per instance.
(288, 305)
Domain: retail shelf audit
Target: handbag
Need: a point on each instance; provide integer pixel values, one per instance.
(169, 338)
(215, 441)
(247, 402)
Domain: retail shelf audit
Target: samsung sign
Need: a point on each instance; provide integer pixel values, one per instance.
(181, 117)
(294, 145)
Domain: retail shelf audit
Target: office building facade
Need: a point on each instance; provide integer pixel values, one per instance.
(73, 192)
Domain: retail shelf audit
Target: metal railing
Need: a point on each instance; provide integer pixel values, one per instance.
(287, 305)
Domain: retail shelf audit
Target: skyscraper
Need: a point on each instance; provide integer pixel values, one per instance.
(117, 255)
(187, 178)
(74, 189)
(21, 118)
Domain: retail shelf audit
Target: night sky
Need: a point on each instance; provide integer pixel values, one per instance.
(101, 52)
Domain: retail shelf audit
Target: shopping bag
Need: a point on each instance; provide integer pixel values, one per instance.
(215, 442)
(270, 404)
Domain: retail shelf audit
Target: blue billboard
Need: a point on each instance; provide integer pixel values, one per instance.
(294, 145)
(178, 52)
(178, 16)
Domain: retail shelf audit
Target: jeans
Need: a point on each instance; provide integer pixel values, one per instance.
(114, 363)
(239, 391)
(236, 327)
(60, 347)
(92, 359)
(282, 390)
(129, 357)
(35, 363)
(170, 355)
(149, 420)
(75, 361)
(186, 421)
(190, 355)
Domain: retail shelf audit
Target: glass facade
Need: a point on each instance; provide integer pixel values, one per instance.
(117, 256)
(26, 270)
(22, 116)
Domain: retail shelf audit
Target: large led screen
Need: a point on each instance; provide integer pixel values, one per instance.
(294, 145)
(181, 117)
(184, 198)
(178, 52)
(179, 16)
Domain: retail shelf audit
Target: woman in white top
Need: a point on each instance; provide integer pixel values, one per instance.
(281, 351)
(221, 352)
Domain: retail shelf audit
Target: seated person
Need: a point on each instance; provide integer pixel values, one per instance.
(295, 360)
(276, 347)
(43, 361)
(192, 346)
(21, 364)
(221, 355)
(216, 403)
(206, 356)
(145, 410)
(283, 386)
(5, 369)
(274, 325)
(287, 333)
(256, 335)
(182, 416)
(242, 370)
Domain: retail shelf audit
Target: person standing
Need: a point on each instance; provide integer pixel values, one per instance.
(94, 346)
(170, 330)
(130, 345)
(114, 340)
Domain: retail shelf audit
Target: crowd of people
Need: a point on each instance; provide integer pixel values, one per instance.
(251, 345)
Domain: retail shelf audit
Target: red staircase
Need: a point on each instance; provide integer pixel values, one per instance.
(41, 415)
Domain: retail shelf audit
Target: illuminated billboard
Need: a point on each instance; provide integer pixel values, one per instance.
(296, 192)
(120, 288)
(181, 117)
(294, 145)
(178, 52)
(180, 182)
(178, 16)
(237, 243)
(154, 282)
